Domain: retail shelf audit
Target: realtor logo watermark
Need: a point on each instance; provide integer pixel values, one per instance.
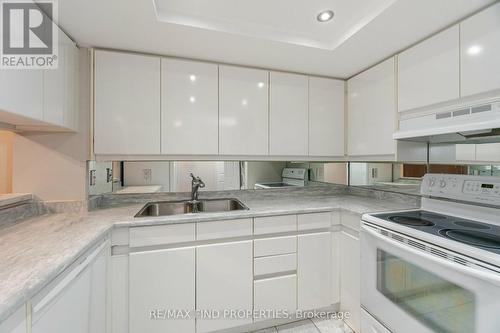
(29, 35)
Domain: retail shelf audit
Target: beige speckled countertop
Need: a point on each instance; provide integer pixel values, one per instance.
(36, 250)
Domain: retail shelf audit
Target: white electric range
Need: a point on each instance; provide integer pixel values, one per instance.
(436, 269)
(290, 177)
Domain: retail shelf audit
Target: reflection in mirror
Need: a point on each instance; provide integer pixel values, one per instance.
(392, 177)
(173, 176)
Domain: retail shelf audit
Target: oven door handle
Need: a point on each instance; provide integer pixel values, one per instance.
(490, 276)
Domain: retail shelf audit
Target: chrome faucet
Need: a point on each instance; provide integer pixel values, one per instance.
(196, 184)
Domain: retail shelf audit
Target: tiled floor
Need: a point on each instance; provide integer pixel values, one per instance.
(311, 326)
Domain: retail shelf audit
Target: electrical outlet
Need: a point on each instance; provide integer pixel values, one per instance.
(147, 175)
(92, 178)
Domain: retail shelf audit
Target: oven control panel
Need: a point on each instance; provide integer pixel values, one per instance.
(478, 189)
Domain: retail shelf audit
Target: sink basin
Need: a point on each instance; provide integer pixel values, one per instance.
(166, 208)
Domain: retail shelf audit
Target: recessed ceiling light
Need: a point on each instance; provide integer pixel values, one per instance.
(325, 16)
(474, 50)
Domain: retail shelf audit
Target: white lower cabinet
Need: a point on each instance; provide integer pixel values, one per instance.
(160, 281)
(224, 281)
(350, 279)
(314, 270)
(275, 295)
(75, 303)
(16, 323)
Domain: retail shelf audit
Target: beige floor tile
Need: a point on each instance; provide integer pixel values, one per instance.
(304, 326)
(332, 326)
(267, 330)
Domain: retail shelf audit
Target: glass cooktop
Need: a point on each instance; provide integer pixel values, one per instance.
(473, 233)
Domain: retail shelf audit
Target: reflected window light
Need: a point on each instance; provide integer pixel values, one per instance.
(260, 85)
(192, 78)
(244, 102)
(192, 99)
(177, 123)
(474, 50)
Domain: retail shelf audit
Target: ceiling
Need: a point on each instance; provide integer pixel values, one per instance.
(275, 20)
(264, 33)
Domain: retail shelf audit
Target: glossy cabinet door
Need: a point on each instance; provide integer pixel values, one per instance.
(288, 114)
(69, 311)
(480, 51)
(224, 281)
(15, 323)
(326, 117)
(350, 286)
(98, 285)
(189, 108)
(59, 93)
(127, 104)
(21, 93)
(161, 280)
(429, 72)
(243, 111)
(371, 113)
(72, 75)
(314, 270)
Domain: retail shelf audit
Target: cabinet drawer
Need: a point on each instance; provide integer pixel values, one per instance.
(275, 224)
(223, 229)
(165, 234)
(275, 264)
(279, 293)
(275, 246)
(314, 221)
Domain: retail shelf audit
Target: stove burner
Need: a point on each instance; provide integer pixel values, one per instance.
(473, 237)
(471, 225)
(411, 221)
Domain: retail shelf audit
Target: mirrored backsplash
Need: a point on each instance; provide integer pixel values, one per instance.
(174, 176)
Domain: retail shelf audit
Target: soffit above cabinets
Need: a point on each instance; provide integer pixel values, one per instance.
(278, 34)
(291, 22)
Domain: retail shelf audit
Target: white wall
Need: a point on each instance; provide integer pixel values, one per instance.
(6, 139)
(147, 173)
(362, 173)
(174, 176)
(259, 172)
(101, 185)
(53, 166)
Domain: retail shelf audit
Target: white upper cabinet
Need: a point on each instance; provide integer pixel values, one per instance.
(372, 111)
(189, 108)
(243, 111)
(127, 104)
(21, 93)
(288, 114)
(326, 117)
(59, 86)
(429, 71)
(480, 52)
(42, 99)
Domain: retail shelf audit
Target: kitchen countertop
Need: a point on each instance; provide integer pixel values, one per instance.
(14, 198)
(37, 249)
(140, 189)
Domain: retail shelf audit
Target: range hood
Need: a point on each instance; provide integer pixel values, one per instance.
(472, 122)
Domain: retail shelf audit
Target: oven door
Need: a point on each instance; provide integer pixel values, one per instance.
(412, 291)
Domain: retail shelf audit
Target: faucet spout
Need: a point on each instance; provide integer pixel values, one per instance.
(196, 184)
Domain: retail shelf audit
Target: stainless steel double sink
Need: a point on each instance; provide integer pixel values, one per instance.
(166, 208)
